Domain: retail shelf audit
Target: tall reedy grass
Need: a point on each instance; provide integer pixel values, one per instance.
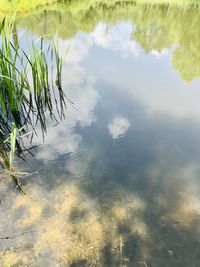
(30, 88)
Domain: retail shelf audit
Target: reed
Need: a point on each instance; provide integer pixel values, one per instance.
(30, 89)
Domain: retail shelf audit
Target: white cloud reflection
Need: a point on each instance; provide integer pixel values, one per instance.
(75, 50)
(118, 127)
(149, 89)
(117, 38)
(62, 139)
(156, 85)
(158, 54)
(79, 88)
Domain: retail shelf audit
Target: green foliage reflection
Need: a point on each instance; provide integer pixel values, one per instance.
(156, 27)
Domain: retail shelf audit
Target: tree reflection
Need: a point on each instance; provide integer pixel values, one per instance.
(156, 27)
(159, 29)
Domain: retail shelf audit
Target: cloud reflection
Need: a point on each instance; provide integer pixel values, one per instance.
(118, 127)
(143, 210)
(62, 139)
(117, 38)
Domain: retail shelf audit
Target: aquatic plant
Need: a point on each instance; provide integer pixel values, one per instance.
(30, 89)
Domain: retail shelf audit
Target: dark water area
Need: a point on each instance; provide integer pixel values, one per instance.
(117, 183)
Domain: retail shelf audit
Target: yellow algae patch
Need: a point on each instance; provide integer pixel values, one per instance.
(51, 237)
(75, 227)
(74, 231)
(183, 215)
(128, 211)
(185, 212)
(86, 240)
(119, 213)
(139, 227)
(69, 197)
(128, 208)
(33, 210)
(135, 203)
(161, 201)
(123, 215)
(11, 258)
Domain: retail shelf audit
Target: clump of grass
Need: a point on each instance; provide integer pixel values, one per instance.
(21, 6)
(29, 89)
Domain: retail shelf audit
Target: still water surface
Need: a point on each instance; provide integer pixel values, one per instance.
(117, 182)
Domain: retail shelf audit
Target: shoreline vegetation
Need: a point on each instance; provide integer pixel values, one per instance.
(10, 8)
(30, 90)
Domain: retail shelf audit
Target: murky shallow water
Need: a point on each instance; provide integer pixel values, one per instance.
(117, 181)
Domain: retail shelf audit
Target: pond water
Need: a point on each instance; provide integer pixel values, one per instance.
(117, 183)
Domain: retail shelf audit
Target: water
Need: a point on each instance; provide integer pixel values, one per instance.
(117, 181)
